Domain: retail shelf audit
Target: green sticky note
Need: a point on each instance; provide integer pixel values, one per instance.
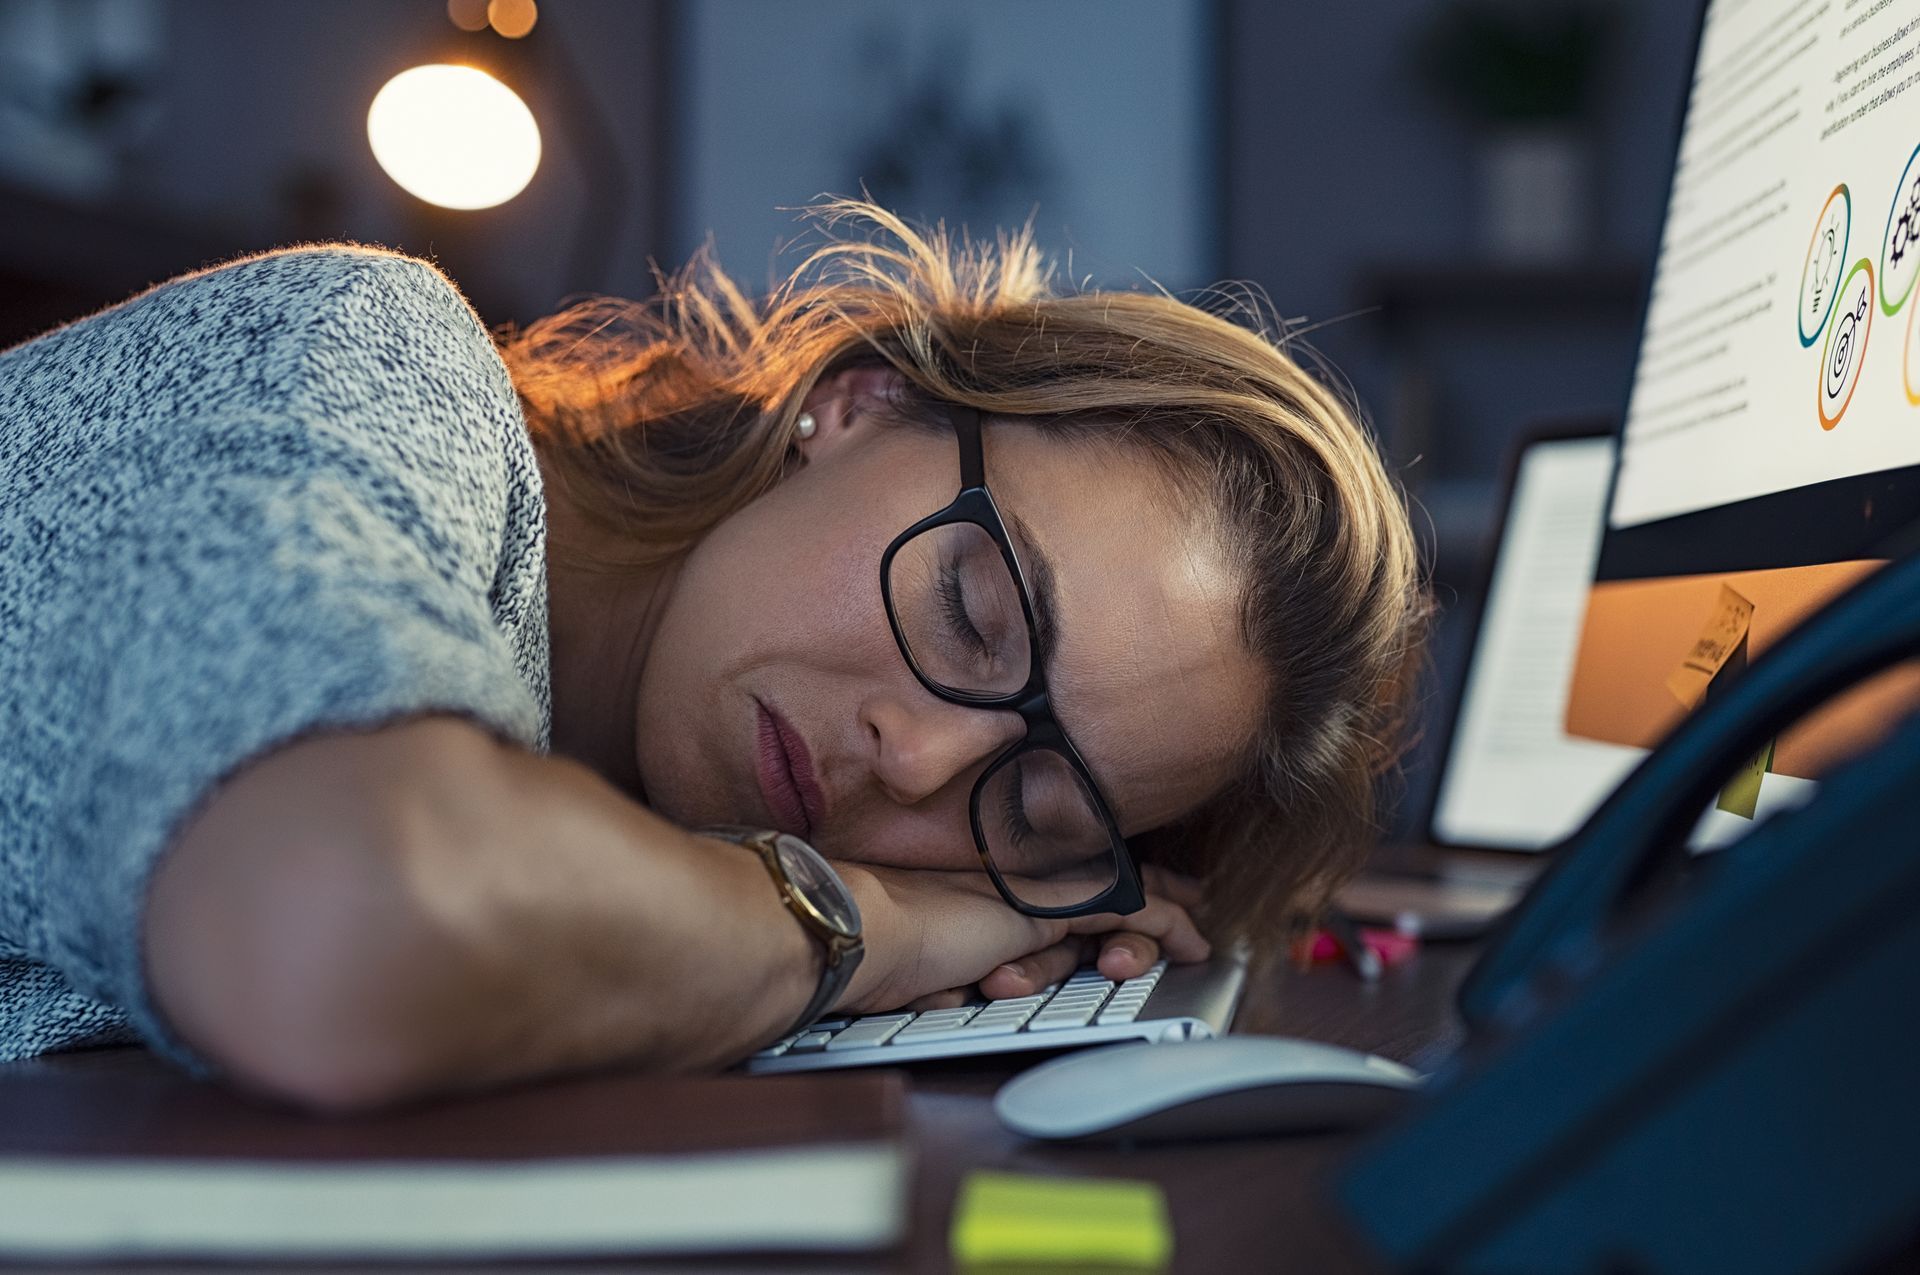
(1741, 796)
(1017, 1218)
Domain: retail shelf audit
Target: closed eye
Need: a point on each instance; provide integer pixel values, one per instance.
(953, 605)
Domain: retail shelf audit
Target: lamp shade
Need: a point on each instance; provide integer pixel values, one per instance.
(454, 136)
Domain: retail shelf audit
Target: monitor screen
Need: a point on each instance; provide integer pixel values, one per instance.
(1770, 454)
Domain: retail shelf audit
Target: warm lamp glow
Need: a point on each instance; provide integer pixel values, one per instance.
(468, 15)
(454, 136)
(512, 18)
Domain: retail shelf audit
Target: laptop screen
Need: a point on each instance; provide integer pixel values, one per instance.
(1512, 778)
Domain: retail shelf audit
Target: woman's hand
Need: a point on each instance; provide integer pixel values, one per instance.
(927, 930)
(931, 935)
(1122, 947)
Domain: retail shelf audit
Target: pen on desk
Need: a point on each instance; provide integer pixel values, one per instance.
(1364, 960)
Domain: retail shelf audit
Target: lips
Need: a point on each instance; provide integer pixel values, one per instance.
(785, 773)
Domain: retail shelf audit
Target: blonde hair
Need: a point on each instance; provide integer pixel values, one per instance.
(660, 420)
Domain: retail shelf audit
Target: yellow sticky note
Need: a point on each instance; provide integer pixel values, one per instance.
(1016, 1218)
(1725, 630)
(1742, 794)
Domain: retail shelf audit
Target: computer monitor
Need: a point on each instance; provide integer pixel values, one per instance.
(1770, 452)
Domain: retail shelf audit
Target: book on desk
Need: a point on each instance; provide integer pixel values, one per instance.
(114, 1155)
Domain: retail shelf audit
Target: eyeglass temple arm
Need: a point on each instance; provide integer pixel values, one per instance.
(966, 425)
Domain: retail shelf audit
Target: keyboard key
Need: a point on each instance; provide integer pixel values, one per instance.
(829, 1024)
(869, 1031)
(947, 1032)
(981, 1026)
(938, 1023)
(1092, 996)
(1015, 1017)
(1071, 997)
(1112, 1014)
(1020, 1013)
(1033, 1002)
(1051, 1019)
(810, 1042)
(778, 1047)
(1009, 1012)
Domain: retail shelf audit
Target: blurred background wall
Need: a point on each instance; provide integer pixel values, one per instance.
(1462, 196)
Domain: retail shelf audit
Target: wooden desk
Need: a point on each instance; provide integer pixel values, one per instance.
(1250, 1205)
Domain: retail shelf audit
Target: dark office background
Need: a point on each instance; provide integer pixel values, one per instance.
(1375, 168)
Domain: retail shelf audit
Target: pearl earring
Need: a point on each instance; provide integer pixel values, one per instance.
(804, 425)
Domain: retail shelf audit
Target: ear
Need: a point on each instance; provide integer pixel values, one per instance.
(842, 407)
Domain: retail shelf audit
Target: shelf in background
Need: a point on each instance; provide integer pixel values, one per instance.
(1401, 291)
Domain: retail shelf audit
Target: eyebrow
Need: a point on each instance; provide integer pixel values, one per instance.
(1039, 572)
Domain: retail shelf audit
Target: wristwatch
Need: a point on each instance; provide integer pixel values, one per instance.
(818, 899)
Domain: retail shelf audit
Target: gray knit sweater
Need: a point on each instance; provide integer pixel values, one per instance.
(289, 494)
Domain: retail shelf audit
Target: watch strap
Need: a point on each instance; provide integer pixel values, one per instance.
(840, 953)
(837, 972)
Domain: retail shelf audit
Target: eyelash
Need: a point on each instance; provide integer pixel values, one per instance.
(955, 607)
(1013, 808)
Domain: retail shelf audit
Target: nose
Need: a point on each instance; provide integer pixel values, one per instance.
(922, 743)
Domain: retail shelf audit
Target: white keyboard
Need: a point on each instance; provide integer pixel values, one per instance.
(1085, 1009)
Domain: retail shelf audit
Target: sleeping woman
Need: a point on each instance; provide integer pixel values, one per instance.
(393, 708)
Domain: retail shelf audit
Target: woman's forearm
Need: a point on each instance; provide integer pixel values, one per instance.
(363, 918)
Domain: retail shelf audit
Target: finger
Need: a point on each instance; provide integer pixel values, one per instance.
(1163, 921)
(1032, 972)
(1180, 888)
(949, 999)
(1127, 955)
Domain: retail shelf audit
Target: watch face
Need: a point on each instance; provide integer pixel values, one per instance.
(819, 887)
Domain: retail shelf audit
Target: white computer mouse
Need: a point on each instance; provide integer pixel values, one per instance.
(1228, 1086)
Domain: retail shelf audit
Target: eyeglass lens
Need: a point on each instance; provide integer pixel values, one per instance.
(959, 610)
(1043, 831)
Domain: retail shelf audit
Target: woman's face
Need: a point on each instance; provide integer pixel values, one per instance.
(774, 643)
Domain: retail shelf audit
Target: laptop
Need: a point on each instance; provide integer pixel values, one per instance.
(1511, 782)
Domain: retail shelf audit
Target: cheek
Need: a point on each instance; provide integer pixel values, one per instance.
(775, 581)
(770, 604)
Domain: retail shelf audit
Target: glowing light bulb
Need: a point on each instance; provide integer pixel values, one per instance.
(454, 136)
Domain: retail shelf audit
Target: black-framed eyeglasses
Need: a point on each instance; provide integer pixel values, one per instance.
(958, 602)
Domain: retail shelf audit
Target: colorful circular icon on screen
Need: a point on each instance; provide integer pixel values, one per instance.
(1846, 350)
(1900, 245)
(1820, 276)
(1911, 368)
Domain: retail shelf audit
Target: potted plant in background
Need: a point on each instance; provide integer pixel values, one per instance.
(1524, 75)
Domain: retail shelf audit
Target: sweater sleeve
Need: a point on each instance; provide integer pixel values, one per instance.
(206, 590)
